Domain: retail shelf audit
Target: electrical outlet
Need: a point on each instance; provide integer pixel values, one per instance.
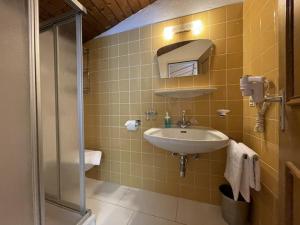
(251, 102)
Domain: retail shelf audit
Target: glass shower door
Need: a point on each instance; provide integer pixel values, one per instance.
(67, 88)
(48, 101)
(62, 113)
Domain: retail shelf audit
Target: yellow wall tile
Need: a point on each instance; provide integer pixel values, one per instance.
(234, 28)
(234, 12)
(217, 15)
(124, 75)
(218, 31)
(261, 57)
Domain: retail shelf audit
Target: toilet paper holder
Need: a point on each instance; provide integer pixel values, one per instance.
(133, 124)
(138, 122)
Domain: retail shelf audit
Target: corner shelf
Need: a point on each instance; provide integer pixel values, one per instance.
(185, 92)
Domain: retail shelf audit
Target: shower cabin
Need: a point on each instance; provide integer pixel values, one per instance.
(41, 115)
(61, 112)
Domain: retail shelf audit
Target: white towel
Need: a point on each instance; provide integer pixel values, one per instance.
(92, 158)
(254, 167)
(234, 167)
(245, 178)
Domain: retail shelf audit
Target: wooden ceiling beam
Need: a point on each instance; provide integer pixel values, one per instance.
(144, 3)
(134, 5)
(124, 7)
(102, 14)
(56, 7)
(44, 13)
(94, 12)
(105, 11)
(87, 34)
(114, 7)
(92, 24)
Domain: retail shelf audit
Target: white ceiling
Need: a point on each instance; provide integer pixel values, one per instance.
(162, 10)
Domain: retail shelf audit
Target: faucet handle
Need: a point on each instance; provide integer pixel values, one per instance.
(183, 112)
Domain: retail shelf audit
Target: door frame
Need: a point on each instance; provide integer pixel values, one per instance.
(286, 79)
(287, 30)
(282, 37)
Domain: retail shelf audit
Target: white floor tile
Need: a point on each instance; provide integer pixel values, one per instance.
(91, 186)
(105, 191)
(197, 213)
(150, 203)
(143, 219)
(109, 214)
(114, 204)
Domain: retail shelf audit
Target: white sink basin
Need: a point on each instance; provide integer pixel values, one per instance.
(187, 141)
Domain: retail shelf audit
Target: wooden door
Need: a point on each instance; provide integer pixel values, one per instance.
(289, 45)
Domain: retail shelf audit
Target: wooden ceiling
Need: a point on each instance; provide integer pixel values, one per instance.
(102, 14)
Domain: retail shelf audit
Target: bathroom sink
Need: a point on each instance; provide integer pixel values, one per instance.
(187, 141)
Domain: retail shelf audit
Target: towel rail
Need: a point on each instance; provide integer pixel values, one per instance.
(245, 156)
(292, 171)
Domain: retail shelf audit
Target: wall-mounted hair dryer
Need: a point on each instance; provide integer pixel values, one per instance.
(253, 86)
(256, 87)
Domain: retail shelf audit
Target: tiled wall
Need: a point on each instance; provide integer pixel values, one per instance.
(124, 74)
(261, 58)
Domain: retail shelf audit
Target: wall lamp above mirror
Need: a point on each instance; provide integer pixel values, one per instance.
(186, 58)
(196, 27)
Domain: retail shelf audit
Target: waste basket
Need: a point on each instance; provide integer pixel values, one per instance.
(233, 212)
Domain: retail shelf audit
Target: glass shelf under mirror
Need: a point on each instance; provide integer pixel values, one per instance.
(185, 92)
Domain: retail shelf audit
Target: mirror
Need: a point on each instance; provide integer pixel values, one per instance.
(187, 58)
(182, 69)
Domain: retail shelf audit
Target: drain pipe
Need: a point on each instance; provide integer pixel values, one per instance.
(182, 165)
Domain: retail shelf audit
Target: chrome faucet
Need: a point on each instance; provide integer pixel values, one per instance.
(183, 123)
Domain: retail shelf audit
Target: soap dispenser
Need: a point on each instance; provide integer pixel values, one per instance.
(167, 121)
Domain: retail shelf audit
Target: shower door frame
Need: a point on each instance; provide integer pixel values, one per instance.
(76, 16)
(34, 75)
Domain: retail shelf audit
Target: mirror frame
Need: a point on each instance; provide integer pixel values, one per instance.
(201, 55)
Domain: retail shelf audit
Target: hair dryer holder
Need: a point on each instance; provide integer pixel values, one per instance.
(256, 87)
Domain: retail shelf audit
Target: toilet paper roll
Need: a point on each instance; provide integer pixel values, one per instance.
(132, 125)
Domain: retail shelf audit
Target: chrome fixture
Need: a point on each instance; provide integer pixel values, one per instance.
(183, 160)
(183, 123)
(258, 87)
(263, 107)
(196, 156)
(150, 114)
(182, 165)
(281, 100)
